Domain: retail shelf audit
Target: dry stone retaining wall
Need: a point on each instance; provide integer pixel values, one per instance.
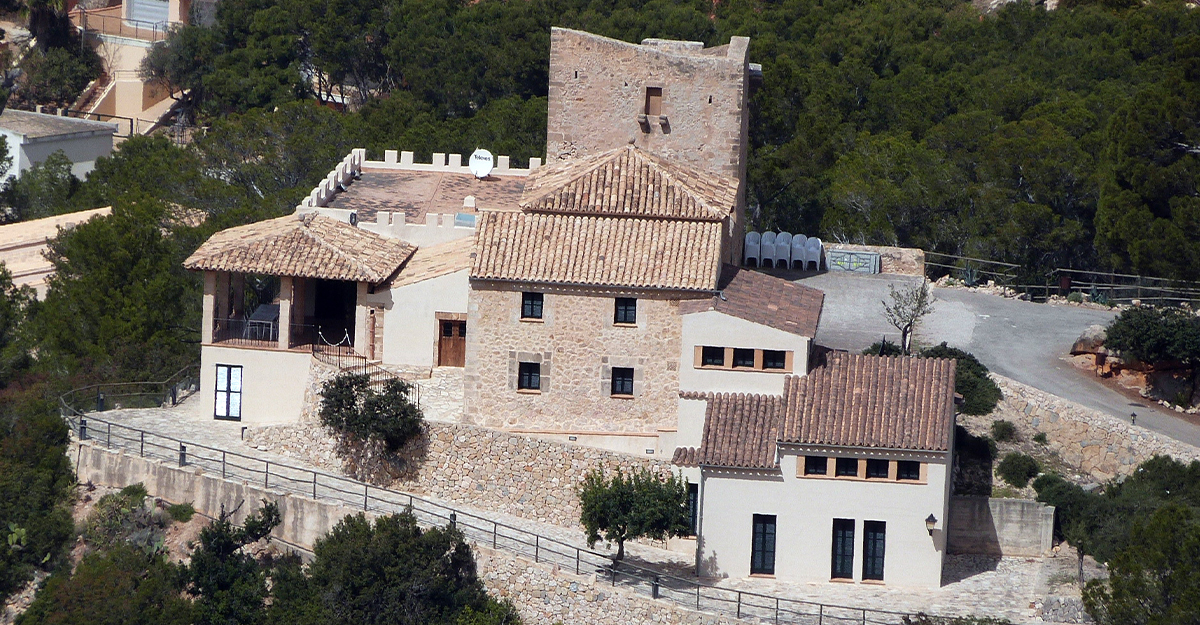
(1098, 444)
(488, 469)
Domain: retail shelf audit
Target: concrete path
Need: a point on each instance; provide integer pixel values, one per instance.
(1021, 340)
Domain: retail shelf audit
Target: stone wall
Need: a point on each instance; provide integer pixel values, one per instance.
(597, 89)
(542, 594)
(1099, 445)
(1007, 527)
(577, 344)
(902, 260)
(486, 469)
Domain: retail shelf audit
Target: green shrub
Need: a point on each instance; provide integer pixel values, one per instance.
(980, 394)
(181, 512)
(135, 493)
(1004, 431)
(351, 406)
(1040, 438)
(1017, 469)
(1075, 297)
(1155, 335)
(123, 518)
(884, 347)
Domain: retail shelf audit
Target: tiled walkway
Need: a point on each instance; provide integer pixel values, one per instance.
(977, 585)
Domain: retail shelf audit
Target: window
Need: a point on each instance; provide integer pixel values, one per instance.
(847, 467)
(762, 549)
(877, 469)
(694, 507)
(530, 376)
(816, 465)
(873, 543)
(774, 359)
(229, 393)
(626, 311)
(713, 357)
(622, 381)
(843, 549)
(531, 305)
(908, 470)
(743, 358)
(653, 101)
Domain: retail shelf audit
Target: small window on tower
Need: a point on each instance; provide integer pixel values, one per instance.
(653, 101)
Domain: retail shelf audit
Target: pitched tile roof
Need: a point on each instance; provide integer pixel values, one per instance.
(894, 402)
(435, 261)
(597, 250)
(684, 457)
(761, 298)
(628, 181)
(740, 431)
(306, 246)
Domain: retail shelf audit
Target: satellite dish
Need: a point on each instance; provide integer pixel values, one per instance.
(480, 163)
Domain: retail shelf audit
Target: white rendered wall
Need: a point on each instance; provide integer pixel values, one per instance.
(273, 381)
(410, 325)
(82, 150)
(721, 330)
(805, 509)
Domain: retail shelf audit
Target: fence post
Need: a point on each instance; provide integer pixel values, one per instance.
(366, 488)
(820, 614)
(142, 449)
(739, 604)
(182, 454)
(314, 485)
(99, 401)
(495, 526)
(654, 588)
(82, 429)
(776, 610)
(864, 618)
(697, 596)
(109, 445)
(267, 475)
(577, 560)
(222, 465)
(537, 543)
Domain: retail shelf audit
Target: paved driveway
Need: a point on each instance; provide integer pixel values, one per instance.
(1020, 340)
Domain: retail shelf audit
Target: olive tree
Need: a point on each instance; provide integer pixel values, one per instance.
(638, 505)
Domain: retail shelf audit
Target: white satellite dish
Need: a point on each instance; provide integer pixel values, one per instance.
(481, 163)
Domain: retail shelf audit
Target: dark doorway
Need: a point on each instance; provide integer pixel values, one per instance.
(452, 343)
(333, 310)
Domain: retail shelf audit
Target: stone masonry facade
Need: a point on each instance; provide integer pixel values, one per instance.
(1098, 444)
(488, 469)
(577, 345)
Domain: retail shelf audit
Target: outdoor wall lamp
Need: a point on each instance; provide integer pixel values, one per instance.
(930, 522)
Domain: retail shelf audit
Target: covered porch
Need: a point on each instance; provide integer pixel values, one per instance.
(294, 282)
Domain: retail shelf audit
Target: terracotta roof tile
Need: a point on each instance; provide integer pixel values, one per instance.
(684, 457)
(435, 261)
(761, 298)
(598, 251)
(627, 181)
(307, 246)
(872, 401)
(740, 431)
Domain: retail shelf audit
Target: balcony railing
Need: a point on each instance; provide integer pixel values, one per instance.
(265, 334)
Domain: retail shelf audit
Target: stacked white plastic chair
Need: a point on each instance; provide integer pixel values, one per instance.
(752, 251)
(768, 249)
(813, 253)
(799, 249)
(783, 250)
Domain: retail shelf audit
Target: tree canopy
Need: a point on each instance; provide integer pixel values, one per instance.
(639, 505)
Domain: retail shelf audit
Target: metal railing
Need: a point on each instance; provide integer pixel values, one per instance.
(283, 478)
(971, 271)
(255, 333)
(115, 395)
(1116, 288)
(108, 22)
(346, 360)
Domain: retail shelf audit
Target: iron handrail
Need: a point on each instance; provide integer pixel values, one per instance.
(318, 485)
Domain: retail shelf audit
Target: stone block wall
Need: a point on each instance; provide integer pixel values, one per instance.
(1098, 444)
(486, 469)
(577, 344)
(902, 260)
(1002, 527)
(598, 85)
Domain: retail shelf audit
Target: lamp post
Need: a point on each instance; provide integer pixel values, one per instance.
(930, 523)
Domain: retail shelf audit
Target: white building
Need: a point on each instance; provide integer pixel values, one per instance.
(33, 137)
(845, 476)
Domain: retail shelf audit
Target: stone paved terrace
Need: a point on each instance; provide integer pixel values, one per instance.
(981, 586)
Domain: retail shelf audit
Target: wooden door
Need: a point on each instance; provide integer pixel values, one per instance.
(452, 346)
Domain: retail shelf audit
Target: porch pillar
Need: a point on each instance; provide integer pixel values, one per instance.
(285, 311)
(361, 337)
(210, 297)
(221, 299)
(237, 295)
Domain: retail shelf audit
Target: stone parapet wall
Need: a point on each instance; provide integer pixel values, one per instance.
(544, 595)
(902, 260)
(1098, 444)
(483, 468)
